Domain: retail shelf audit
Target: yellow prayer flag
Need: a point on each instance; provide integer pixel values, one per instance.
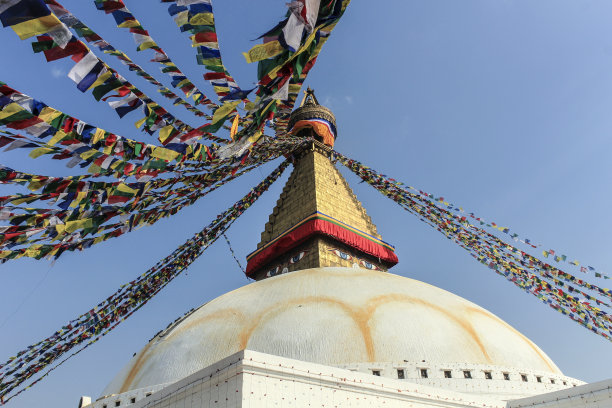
(101, 79)
(263, 51)
(59, 135)
(141, 122)
(98, 135)
(33, 251)
(234, 128)
(255, 137)
(202, 19)
(86, 155)
(81, 195)
(39, 152)
(10, 110)
(124, 188)
(224, 110)
(72, 226)
(129, 24)
(221, 89)
(164, 154)
(35, 185)
(183, 83)
(48, 114)
(36, 26)
(166, 132)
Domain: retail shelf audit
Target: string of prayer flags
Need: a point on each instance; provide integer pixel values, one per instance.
(84, 210)
(552, 254)
(90, 326)
(197, 18)
(52, 50)
(103, 151)
(583, 302)
(284, 64)
(29, 18)
(125, 19)
(91, 73)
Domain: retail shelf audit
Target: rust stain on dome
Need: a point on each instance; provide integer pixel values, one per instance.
(467, 327)
(535, 348)
(242, 313)
(356, 314)
(135, 368)
(226, 313)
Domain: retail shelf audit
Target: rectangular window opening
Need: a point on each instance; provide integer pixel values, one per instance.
(148, 393)
(447, 374)
(488, 375)
(400, 374)
(524, 377)
(117, 403)
(552, 380)
(506, 376)
(539, 379)
(376, 372)
(133, 400)
(467, 374)
(564, 382)
(423, 373)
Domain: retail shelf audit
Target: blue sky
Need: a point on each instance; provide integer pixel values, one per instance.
(501, 107)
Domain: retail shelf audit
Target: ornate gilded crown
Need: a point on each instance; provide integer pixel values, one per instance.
(313, 120)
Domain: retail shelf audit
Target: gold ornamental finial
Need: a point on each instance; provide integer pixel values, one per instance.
(314, 120)
(309, 98)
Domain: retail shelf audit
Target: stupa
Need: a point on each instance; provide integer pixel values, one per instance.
(326, 324)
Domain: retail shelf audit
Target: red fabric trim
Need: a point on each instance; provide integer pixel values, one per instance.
(320, 227)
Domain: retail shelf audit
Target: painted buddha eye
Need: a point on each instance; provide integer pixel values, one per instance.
(296, 258)
(342, 255)
(368, 265)
(273, 272)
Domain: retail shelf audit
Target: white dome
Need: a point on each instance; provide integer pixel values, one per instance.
(333, 316)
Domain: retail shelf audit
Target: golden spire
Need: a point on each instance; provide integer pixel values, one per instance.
(318, 221)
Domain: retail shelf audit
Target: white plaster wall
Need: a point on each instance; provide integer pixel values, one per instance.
(497, 387)
(257, 380)
(595, 395)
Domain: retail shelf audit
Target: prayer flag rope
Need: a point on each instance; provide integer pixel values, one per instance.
(125, 19)
(585, 306)
(52, 50)
(87, 208)
(550, 253)
(198, 19)
(288, 53)
(97, 322)
(89, 72)
(104, 152)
